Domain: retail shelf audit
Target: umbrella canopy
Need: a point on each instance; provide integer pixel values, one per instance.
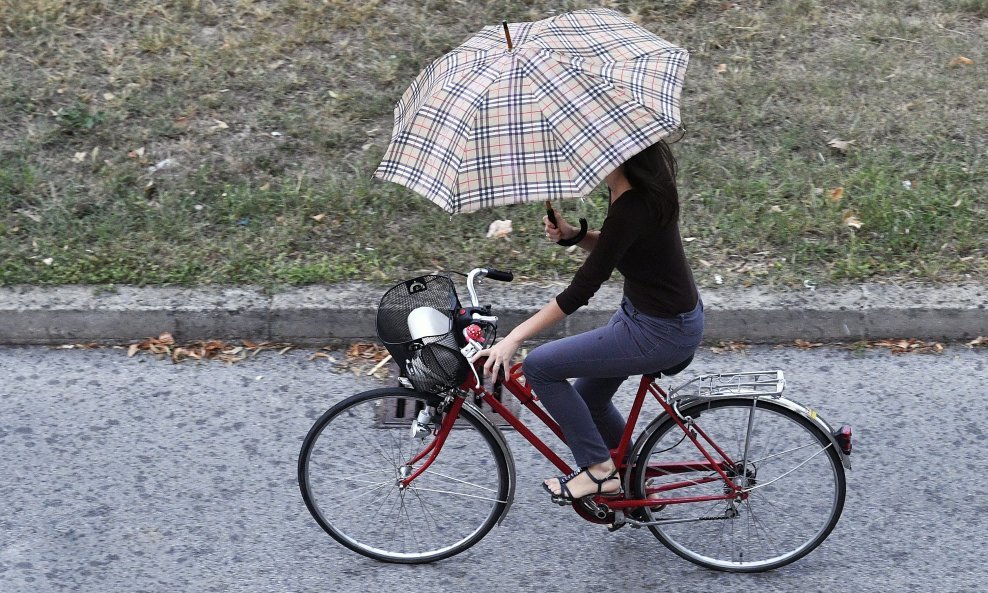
(548, 117)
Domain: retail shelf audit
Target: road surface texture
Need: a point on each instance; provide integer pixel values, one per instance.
(135, 474)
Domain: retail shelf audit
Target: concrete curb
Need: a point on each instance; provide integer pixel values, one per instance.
(322, 314)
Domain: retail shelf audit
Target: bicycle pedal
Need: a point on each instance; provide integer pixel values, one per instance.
(563, 502)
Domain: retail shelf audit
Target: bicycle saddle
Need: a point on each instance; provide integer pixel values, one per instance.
(675, 369)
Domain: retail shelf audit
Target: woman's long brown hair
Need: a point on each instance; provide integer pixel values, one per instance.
(654, 170)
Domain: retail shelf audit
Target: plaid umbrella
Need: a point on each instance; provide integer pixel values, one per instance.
(547, 117)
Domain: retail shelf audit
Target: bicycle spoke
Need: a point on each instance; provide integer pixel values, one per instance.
(435, 473)
(365, 465)
(430, 519)
(378, 449)
(761, 460)
(355, 477)
(398, 505)
(753, 520)
(396, 452)
(411, 530)
(778, 513)
(459, 494)
(757, 486)
(371, 487)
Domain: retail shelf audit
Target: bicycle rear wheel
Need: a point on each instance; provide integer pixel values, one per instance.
(794, 479)
(355, 455)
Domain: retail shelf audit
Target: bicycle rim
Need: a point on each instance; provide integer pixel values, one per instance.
(354, 456)
(795, 481)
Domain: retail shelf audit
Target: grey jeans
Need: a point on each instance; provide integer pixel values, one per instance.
(631, 343)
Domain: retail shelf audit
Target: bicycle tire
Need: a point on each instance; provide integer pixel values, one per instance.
(796, 475)
(348, 473)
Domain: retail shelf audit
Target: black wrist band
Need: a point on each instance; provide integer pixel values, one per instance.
(577, 238)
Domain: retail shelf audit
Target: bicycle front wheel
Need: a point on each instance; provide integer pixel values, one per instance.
(356, 454)
(793, 481)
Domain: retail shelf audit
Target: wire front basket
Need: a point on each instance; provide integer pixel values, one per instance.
(415, 323)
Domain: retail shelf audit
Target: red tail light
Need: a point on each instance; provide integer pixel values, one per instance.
(843, 436)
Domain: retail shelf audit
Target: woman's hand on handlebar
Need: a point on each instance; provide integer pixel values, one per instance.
(560, 230)
(499, 357)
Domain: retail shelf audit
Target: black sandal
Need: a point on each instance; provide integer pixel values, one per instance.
(565, 495)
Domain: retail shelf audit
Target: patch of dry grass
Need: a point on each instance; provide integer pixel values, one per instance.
(195, 140)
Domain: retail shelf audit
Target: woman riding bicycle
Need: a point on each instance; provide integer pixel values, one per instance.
(658, 324)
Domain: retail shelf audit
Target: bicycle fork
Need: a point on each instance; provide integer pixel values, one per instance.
(406, 472)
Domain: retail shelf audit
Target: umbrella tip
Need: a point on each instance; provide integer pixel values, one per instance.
(507, 34)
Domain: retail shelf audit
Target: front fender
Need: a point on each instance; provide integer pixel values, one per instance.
(509, 459)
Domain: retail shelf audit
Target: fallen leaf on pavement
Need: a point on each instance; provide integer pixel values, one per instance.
(908, 346)
(165, 346)
(728, 346)
(369, 351)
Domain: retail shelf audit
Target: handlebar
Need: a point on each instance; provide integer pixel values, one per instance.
(480, 273)
(499, 275)
(476, 313)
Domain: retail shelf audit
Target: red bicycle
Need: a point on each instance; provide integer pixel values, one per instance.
(729, 475)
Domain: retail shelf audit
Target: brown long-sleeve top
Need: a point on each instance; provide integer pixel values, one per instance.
(657, 279)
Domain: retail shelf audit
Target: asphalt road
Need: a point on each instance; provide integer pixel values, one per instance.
(134, 474)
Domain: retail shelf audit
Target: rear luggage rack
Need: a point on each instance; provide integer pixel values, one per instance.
(747, 384)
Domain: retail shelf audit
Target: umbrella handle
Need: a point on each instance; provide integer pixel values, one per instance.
(550, 213)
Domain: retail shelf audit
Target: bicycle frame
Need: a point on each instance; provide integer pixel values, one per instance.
(717, 461)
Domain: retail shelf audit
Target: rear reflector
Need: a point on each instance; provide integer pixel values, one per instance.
(843, 436)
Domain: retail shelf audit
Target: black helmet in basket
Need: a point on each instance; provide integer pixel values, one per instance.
(416, 323)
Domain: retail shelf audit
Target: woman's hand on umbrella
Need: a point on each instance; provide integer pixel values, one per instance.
(498, 357)
(560, 230)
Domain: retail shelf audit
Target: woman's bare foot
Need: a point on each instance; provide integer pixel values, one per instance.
(581, 485)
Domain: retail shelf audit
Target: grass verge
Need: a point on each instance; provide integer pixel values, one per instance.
(227, 142)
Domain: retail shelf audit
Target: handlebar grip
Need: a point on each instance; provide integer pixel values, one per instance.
(499, 275)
